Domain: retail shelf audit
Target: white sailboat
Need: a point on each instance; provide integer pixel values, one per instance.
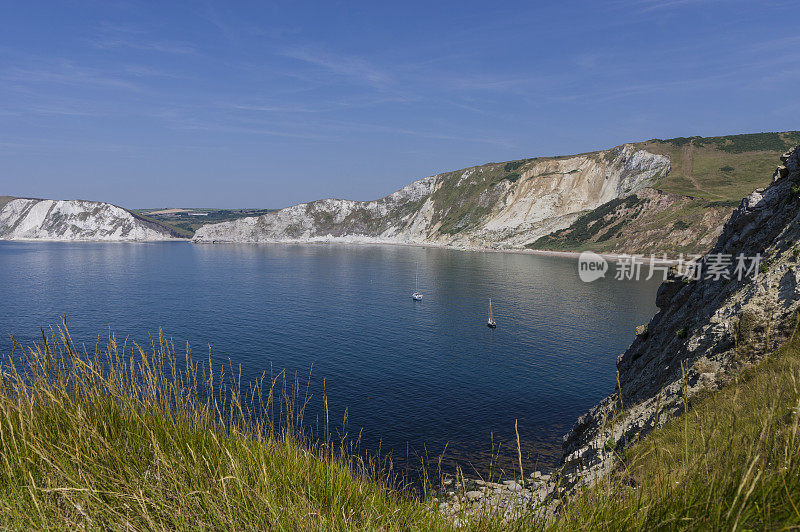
(417, 295)
(491, 323)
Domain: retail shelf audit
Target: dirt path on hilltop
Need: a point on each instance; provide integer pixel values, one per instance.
(688, 167)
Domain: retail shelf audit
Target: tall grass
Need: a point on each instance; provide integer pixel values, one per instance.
(127, 438)
(135, 438)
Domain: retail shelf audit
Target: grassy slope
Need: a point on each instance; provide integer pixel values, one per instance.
(709, 177)
(81, 447)
(721, 168)
(670, 224)
(732, 461)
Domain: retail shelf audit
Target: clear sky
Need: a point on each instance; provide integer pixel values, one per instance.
(266, 104)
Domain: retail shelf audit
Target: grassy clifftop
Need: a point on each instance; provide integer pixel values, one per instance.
(128, 439)
(721, 168)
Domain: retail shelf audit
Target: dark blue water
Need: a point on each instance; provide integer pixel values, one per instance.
(413, 375)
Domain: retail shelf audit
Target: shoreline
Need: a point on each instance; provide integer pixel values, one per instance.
(519, 251)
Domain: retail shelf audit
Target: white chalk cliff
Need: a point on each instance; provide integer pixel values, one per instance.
(38, 219)
(500, 205)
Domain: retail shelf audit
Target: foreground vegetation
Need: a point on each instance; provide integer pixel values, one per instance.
(127, 438)
(733, 462)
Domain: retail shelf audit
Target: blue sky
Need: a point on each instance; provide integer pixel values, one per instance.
(266, 104)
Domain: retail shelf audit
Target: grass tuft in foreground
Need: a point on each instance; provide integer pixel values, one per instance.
(124, 438)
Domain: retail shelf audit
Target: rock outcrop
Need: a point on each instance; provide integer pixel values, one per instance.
(497, 205)
(38, 219)
(707, 328)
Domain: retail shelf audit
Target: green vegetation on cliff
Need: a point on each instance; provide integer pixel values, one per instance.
(602, 223)
(461, 204)
(747, 142)
(690, 224)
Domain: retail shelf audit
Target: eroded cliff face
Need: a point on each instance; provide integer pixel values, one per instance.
(707, 330)
(35, 219)
(648, 221)
(497, 205)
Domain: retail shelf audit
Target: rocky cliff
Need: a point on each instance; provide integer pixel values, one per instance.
(707, 328)
(712, 324)
(37, 219)
(498, 205)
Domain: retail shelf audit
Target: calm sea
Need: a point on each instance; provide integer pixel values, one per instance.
(413, 376)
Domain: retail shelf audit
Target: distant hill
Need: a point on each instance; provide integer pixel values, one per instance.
(654, 196)
(185, 221)
(495, 205)
(70, 220)
(73, 219)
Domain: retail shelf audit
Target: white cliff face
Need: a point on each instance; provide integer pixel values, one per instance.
(494, 205)
(552, 192)
(33, 219)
